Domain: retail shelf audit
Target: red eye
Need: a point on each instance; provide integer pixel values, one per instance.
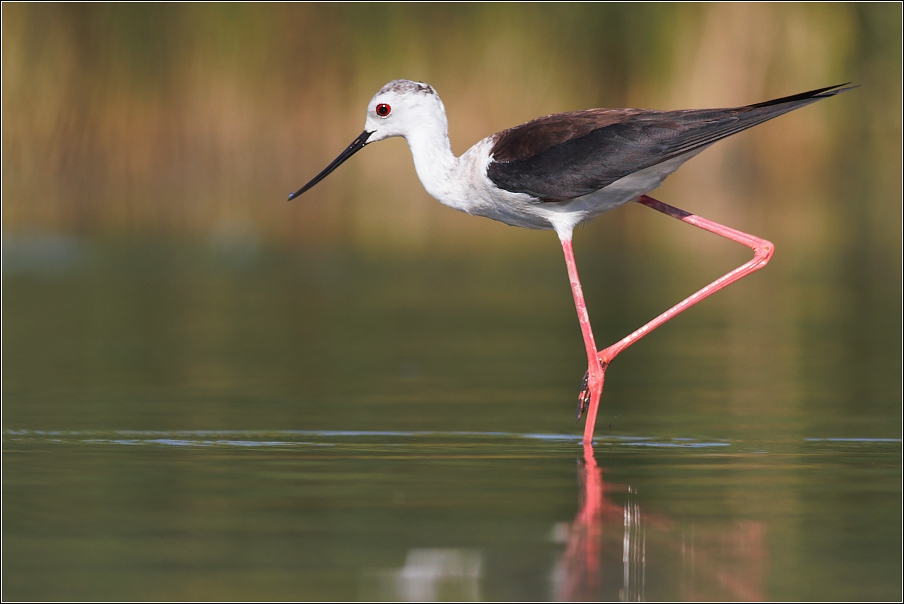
(383, 109)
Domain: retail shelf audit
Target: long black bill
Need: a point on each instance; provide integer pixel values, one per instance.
(356, 146)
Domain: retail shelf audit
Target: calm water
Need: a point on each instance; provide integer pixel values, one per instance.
(233, 422)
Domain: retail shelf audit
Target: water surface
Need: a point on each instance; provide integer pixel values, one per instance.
(445, 515)
(197, 423)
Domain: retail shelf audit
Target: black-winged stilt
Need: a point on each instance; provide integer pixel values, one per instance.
(557, 171)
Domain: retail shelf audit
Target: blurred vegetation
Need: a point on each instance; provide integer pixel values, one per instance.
(191, 123)
(196, 120)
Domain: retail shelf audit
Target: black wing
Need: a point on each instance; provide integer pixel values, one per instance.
(564, 156)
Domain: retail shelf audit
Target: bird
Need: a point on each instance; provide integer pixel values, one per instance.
(561, 170)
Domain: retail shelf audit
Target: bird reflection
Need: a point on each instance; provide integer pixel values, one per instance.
(614, 550)
(578, 574)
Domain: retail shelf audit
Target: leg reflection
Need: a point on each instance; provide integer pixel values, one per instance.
(581, 573)
(613, 547)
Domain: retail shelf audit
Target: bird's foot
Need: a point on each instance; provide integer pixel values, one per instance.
(586, 393)
(583, 397)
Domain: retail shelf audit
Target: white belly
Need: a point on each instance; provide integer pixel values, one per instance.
(477, 195)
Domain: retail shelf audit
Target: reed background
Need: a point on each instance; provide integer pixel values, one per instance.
(194, 121)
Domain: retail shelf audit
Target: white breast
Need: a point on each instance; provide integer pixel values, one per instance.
(466, 187)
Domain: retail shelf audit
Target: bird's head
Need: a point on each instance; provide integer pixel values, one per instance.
(400, 108)
(403, 107)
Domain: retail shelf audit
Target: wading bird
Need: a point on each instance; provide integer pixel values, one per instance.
(558, 171)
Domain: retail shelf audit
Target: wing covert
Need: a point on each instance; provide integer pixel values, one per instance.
(560, 157)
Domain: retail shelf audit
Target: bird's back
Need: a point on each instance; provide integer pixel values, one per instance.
(568, 155)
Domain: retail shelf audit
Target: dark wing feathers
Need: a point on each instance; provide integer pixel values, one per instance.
(551, 130)
(567, 155)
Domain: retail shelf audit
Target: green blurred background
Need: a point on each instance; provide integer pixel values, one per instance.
(183, 121)
(148, 151)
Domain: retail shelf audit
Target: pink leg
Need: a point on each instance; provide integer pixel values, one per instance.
(762, 252)
(593, 380)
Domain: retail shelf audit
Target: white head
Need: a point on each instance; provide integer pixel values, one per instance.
(401, 108)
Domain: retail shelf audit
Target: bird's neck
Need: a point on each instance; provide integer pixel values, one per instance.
(434, 162)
